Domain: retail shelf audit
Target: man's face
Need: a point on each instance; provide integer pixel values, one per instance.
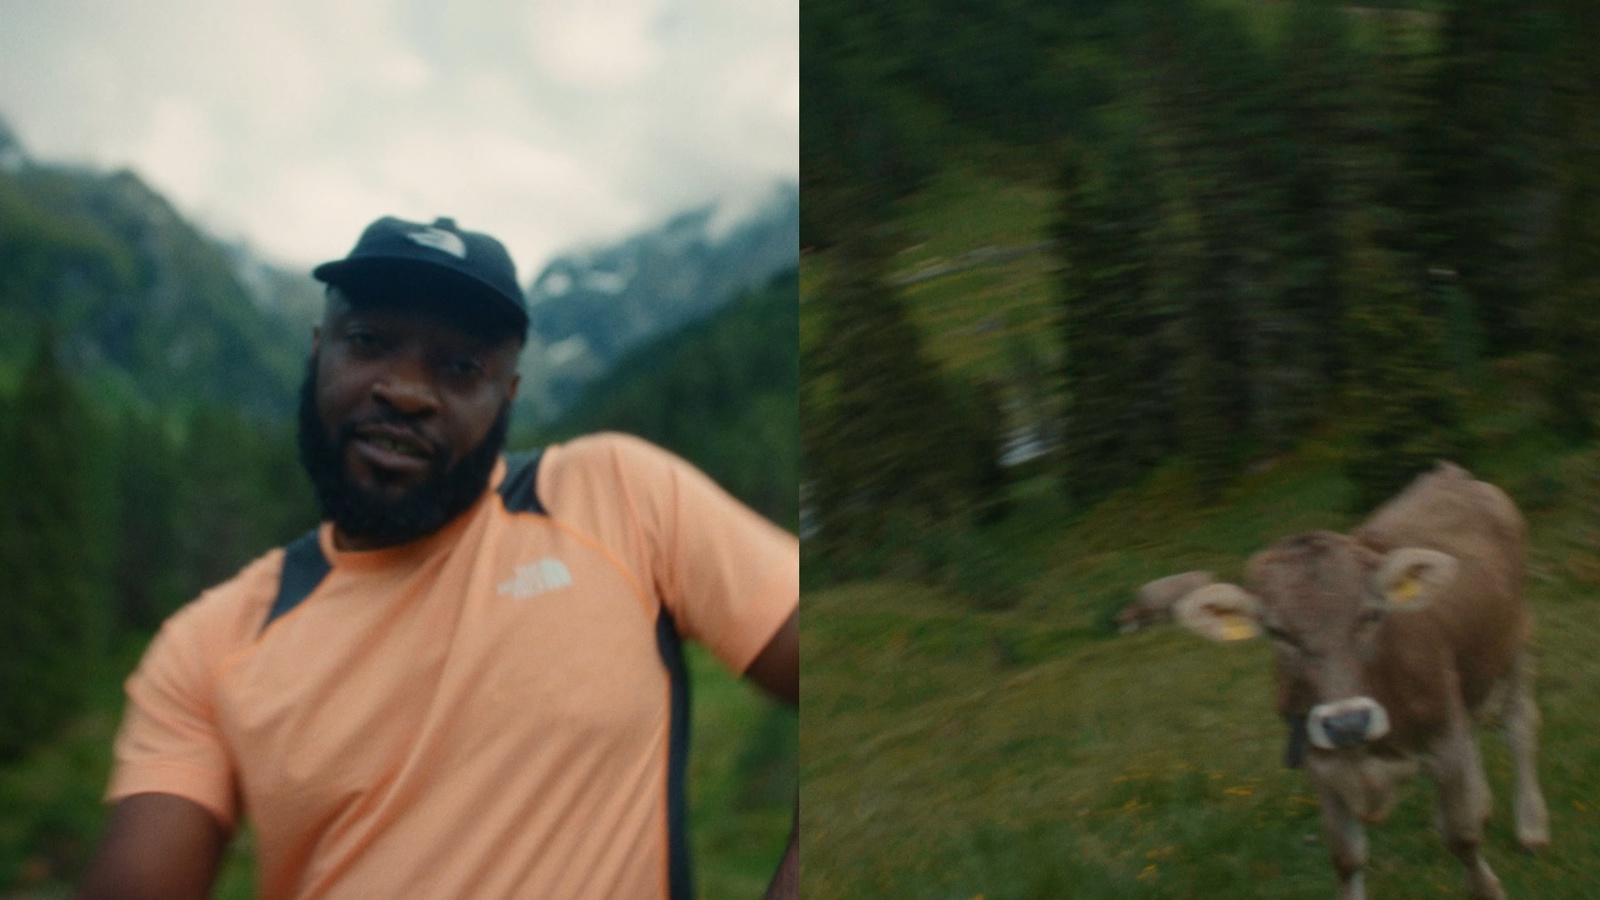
(402, 417)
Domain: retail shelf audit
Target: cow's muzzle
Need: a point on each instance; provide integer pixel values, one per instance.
(1346, 723)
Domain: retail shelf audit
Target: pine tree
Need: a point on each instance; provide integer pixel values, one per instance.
(1572, 331)
(1400, 389)
(1244, 382)
(878, 428)
(54, 612)
(981, 447)
(1480, 147)
(242, 493)
(146, 573)
(1299, 354)
(1404, 408)
(1116, 362)
(863, 148)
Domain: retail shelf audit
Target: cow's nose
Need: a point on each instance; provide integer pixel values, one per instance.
(1346, 723)
(1348, 728)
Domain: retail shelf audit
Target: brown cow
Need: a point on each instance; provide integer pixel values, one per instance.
(1153, 602)
(1390, 642)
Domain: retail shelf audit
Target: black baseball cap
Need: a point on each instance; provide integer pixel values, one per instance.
(468, 269)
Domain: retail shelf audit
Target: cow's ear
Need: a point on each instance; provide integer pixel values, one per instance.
(1410, 577)
(1221, 612)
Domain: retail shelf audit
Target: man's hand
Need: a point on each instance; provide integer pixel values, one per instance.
(156, 847)
(777, 671)
(786, 881)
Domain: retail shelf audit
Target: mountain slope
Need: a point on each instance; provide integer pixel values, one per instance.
(137, 295)
(589, 308)
(721, 392)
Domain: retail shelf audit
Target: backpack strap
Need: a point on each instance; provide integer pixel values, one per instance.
(519, 490)
(679, 865)
(304, 567)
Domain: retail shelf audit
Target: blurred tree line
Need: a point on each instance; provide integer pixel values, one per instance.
(115, 515)
(1272, 219)
(145, 448)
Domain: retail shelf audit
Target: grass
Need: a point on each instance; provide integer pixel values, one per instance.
(743, 781)
(741, 778)
(50, 809)
(950, 752)
(973, 319)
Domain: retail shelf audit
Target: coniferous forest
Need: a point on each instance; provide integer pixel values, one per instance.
(144, 429)
(1266, 219)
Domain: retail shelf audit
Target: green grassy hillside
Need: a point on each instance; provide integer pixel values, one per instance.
(975, 270)
(978, 274)
(1034, 753)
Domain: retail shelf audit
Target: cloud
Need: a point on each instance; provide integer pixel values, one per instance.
(598, 45)
(292, 124)
(179, 150)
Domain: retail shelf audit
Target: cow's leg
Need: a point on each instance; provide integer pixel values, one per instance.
(1347, 843)
(1463, 805)
(1521, 721)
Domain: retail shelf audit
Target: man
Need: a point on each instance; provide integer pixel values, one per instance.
(465, 683)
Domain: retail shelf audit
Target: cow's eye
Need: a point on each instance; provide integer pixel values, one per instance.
(1281, 636)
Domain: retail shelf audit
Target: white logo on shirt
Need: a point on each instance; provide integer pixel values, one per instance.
(439, 239)
(536, 577)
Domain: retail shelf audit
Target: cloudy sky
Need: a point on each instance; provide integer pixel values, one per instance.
(290, 124)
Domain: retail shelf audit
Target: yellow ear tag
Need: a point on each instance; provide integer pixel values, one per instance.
(1405, 590)
(1234, 627)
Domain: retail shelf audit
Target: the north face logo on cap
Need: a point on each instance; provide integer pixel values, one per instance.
(439, 239)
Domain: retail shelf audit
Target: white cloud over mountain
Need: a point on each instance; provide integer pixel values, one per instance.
(292, 124)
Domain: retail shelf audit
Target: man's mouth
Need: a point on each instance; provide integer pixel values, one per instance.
(393, 449)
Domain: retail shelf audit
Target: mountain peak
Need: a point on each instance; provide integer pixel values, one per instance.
(13, 157)
(588, 307)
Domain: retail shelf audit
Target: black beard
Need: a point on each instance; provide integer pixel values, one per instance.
(424, 509)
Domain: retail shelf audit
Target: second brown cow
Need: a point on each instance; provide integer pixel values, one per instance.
(1391, 641)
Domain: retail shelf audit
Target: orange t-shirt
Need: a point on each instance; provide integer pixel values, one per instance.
(493, 710)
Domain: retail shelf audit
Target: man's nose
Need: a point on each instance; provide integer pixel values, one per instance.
(407, 387)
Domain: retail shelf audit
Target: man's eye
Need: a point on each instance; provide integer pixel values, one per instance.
(362, 340)
(463, 367)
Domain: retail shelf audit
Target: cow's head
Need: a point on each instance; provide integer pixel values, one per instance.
(1322, 599)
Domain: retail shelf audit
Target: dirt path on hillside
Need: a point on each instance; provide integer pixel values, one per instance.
(981, 256)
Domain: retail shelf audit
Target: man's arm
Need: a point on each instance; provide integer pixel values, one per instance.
(777, 670)
(156, 846)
